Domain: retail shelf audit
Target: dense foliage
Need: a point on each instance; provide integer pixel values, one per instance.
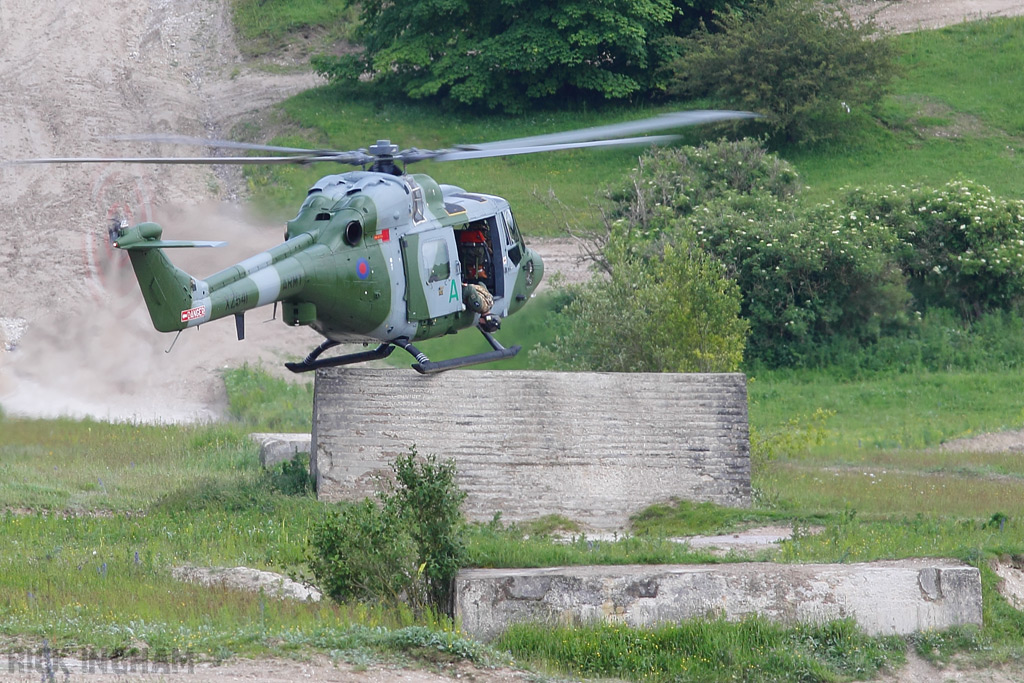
(405, 547)
(804, 64)
(910, 276)
(505, 53)
(962, 248)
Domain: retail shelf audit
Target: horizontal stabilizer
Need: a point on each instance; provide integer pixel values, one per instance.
(147, 236)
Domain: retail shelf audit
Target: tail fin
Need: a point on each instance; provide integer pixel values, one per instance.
(167, 289)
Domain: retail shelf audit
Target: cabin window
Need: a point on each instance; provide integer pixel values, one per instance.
(418, 204)
(434, 260)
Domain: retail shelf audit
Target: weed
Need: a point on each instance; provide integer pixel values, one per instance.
(291, 477)
(706, 650)
(266, 403)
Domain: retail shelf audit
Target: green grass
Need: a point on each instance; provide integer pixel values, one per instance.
(490, 546)
(90, 570)
(707, 650)
(686, 518)
(270, 26)
(957, 111)
(890, 411)
(874, 445)
(264, 403)
(81, 466)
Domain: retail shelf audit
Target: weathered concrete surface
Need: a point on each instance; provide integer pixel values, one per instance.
(275, 448)
(884, 598)
(594, 447)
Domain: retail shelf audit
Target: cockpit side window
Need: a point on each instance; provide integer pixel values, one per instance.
(515, 240)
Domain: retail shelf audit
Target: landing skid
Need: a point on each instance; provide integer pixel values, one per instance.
(423, 364)
(313, 361)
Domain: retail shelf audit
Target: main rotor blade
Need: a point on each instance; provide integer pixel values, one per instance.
(454, 155)
(219, 144)
(355, 159)
(677, 119)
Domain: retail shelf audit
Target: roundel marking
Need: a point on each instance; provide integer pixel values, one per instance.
(363, 268)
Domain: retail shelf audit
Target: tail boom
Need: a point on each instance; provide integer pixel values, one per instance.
(177, 301)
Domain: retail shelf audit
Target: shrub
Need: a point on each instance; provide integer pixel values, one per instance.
(362, 551)
(913, 278)
(804, 64)
(678, 180)
(407, 546)
(807, 275)
(431, 502)
(676, 312)
(291, 477)
(963, 247)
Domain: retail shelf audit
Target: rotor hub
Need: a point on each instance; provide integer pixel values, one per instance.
(383, 148)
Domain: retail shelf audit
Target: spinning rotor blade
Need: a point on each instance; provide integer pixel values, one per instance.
(677, 119)
(292, 155)
(454, 155)
(181, 160)
(220, 144)
(383, 154)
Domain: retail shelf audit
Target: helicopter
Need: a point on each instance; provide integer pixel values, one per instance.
(375, 255)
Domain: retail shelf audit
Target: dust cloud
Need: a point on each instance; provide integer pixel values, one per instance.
(100, 357)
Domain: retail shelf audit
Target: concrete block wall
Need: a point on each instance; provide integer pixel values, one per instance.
(594, 447)
(276, 447)
(884, 598)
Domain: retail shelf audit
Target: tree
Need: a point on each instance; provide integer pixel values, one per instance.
(504, 53)
(804, 64)
(962, 247)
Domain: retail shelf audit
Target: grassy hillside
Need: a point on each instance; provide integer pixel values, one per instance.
(958, 111)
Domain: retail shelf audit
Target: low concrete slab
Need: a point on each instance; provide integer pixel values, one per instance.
(885, 598)
(275, 448)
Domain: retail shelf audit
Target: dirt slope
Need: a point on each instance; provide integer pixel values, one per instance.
(902, 16)
(72, 77)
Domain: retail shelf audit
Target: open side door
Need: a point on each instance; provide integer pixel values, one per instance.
(433, 275)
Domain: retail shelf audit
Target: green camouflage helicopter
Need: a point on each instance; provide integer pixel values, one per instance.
(376, 255)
